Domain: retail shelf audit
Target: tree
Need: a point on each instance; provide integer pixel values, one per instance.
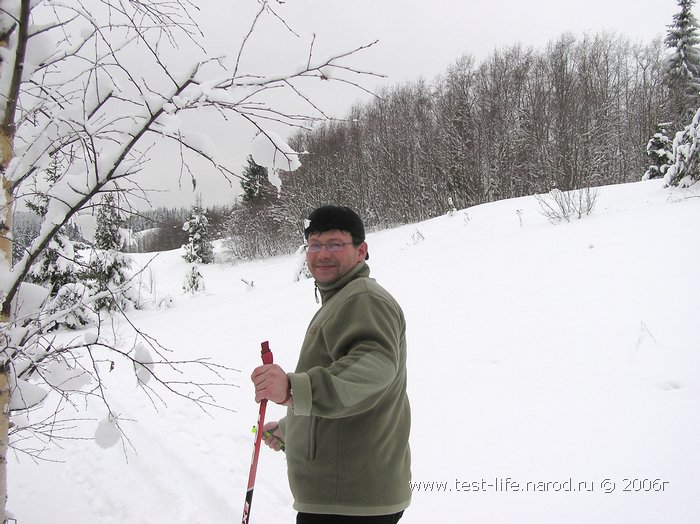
(684, 170)
(109, 225)
(660, 153)
(251, 229)
(254, 181)
(103, 84)
(108, 266)
(682, 67)
(198, 247)
(57, 265)
(578, 113)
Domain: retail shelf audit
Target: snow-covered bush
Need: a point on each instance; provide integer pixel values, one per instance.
(194, 281)
(451, 209)
(144, 289)
(301, 271)
(255, 232)
(416, 237)
(559, 206)
(685, 168)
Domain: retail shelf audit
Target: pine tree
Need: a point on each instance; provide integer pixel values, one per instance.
(682, 67)
(107, 235)
(660, 153)
(198, 247)
(108, 266)
(58, 264)
(254, 182)
(685, 169)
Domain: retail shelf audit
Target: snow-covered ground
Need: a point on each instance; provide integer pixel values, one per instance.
(554, 376)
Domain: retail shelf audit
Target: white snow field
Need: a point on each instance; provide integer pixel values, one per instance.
(554, 376)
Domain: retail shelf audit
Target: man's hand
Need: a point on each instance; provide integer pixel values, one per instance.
(273, 436)
(271, 383)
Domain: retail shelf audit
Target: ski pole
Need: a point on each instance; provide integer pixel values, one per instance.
(267, 359)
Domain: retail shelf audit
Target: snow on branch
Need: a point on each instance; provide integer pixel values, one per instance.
(87, 92)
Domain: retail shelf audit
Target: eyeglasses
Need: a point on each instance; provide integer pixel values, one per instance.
(332, 247)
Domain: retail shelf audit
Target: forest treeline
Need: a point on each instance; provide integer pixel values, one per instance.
(158, 229)
(577, 113)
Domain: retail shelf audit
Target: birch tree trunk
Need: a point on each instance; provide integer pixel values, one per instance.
(7, 128)
(4, 436)
(5, 251)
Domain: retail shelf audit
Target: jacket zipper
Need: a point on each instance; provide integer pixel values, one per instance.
(312, 439)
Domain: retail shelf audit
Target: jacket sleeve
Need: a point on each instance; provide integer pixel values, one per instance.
(364, 340)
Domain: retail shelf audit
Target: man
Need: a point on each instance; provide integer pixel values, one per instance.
(348, 417)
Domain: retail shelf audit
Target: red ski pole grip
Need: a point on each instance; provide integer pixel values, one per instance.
(266, 353)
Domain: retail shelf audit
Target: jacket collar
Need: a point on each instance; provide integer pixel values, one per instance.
(328, 290)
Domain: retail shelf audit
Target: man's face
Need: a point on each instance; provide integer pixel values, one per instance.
(328, 266)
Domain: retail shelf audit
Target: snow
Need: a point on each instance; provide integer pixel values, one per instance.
(39, 48)
(107, 433)
(271, 151)
(57, 374)
(88, 225)
(564, 356)
(90, 337)
(25, 394)
(28, 300)
(143, 366)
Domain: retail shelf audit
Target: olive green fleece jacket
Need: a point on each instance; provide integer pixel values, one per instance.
(347, 433)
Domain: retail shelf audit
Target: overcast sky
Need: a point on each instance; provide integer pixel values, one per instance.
(417, 38)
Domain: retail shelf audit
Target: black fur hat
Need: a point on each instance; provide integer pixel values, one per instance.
(327, 218)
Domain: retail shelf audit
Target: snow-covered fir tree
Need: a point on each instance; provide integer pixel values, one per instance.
(108, 266)
(57, 266)
(685, 169)
(109, 223)
(69, 300)
(198, 247)
(660, 152)
(682, 67)
(58, 263)
(254, 181)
